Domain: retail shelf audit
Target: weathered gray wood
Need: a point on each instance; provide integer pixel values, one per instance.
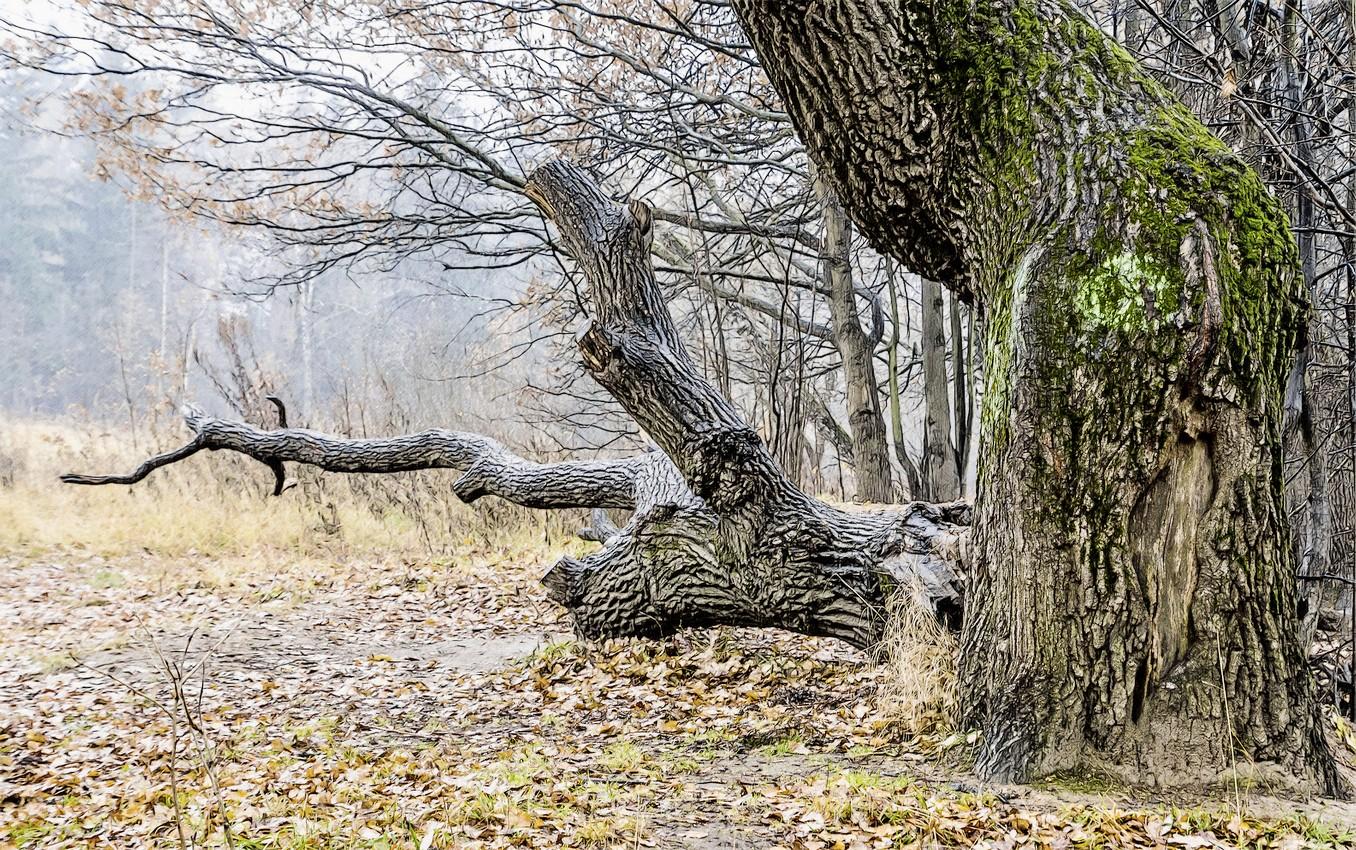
(804, 566)
(759, 551)
(602, 530)
(488, 469)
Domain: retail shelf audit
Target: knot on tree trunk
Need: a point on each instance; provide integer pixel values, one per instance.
(728, 468)
(596, 348)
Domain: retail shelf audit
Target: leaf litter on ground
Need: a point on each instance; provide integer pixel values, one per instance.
(403, 703)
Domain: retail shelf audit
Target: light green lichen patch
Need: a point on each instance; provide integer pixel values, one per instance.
(1125, 293)
(1181, 174)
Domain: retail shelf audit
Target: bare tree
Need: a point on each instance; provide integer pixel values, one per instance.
(1130, 603)
(365, 154)
(719, 535)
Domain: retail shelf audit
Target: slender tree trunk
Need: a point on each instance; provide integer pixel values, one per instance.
(870, 449)
(1132, 604)
(1349, 315)
(1314, 537)
(306, 323)
(911, 472)
(960, 407)
(941, 475)
(787, 406)
(163, 348)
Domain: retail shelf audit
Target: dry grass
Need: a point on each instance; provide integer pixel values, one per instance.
(919, 656)
(217, 506)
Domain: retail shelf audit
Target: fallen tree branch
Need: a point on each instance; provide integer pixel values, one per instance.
(488, 469)
(197, 444)
(756, 550)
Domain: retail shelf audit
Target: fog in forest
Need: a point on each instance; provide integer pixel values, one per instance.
(115, 307)
(120, 311)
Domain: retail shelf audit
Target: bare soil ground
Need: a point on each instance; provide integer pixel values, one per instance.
(159, 702)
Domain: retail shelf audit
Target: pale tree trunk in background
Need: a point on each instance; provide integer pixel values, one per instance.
(780, 403)
(961, 407)
(1135, 18)
(722, 353)
(911, 472)
(870, 449)
(786, 403)
(163, 348)
(941, 474)
(1315, 537)
(832, 430)
(133, 226)
(1131, 606)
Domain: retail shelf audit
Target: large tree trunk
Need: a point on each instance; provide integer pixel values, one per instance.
(1132, 602)
(719, 534)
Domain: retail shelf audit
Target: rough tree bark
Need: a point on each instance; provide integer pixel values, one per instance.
(719, 535)
(765, 552)
(1131, 604)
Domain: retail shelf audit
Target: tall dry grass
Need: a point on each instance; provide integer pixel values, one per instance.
(919, 687)
(218, 504)
(210, 520)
